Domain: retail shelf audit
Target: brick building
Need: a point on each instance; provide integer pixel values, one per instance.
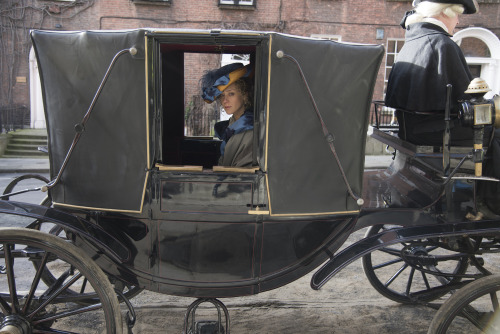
(367, 21)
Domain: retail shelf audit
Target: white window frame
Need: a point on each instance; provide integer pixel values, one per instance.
(336, 38)
(490, 67)
(240, 2)
(145, 1)
(388, 53)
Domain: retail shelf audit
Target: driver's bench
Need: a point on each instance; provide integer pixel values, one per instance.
(420, 175)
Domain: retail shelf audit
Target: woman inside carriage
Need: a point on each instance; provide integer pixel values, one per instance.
(232, 86)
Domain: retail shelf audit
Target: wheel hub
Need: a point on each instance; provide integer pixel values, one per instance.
(15, 324)
(417, 255)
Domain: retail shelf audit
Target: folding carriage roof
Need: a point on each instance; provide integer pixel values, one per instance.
(109, 166)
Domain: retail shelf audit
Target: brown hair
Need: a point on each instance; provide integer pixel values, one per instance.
(245, 86)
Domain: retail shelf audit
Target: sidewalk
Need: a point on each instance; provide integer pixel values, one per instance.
(41, 165)
(24, 165)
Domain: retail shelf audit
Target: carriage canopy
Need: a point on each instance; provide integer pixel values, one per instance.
(108, 166)
(304, 176)
(303, 87)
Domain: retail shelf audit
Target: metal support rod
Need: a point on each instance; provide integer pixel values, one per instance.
(446, 134)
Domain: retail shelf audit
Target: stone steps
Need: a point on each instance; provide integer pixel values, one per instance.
(24, 143)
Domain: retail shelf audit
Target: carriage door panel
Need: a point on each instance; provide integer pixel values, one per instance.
(204, 230)
(212, 194)
(206, 251)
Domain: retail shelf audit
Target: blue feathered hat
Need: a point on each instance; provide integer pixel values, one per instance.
(214, 82)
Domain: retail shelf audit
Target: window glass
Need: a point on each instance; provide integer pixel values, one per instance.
(146, 1)
(474, 47)
(237, 2)
(475, 70)
(390, 59)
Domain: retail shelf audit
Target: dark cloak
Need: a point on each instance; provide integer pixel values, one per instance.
(427, 63)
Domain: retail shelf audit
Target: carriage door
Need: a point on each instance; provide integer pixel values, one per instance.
(201, 208)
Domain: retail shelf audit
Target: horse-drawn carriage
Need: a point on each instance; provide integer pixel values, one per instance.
(135, 203)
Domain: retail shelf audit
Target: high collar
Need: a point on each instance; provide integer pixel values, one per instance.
(420, 29)
(436, 22)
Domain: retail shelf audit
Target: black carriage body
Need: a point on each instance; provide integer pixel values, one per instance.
(190, 227)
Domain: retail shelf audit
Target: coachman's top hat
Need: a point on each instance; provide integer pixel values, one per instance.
(470, 6)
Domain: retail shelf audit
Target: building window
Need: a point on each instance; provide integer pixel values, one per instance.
(240, 3)
(162, 2)
(392, 50)
(336, 38)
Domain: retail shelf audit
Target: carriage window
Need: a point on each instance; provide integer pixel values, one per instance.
(188, 121)
(199, 116)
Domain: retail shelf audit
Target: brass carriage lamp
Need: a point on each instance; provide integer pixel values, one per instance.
(479, 112)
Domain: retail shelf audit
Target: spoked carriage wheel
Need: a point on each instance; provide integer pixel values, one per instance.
(35, 180)
(472, 309)
(129, 291)
(392, 269)
(28, 305)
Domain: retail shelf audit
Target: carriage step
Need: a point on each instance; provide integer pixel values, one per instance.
(191, 326)
(206, 327)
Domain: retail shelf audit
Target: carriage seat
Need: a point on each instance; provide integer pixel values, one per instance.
(385, 130)
(429, 155)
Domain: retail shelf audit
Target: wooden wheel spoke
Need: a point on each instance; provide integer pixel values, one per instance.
(478, 319)
(6, 309)
(51, 331)
(395, 275)
(391, 251)
(388, 263)
(56, 293)
(410, 281)
(494, 300)
(70, 313)
(9, 268)
(426, 281)
(36, 281)
(84, 285)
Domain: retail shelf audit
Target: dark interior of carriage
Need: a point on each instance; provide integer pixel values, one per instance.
(182, 67)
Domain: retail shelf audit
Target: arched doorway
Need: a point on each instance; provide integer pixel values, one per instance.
(481, 48)
(36, 103)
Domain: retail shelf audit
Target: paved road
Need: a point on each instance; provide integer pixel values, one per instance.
(347, 305)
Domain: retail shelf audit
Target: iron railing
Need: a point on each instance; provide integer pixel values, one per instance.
(383, 118)
(14, 117)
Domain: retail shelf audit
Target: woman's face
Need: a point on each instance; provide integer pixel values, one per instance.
(232, 101)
